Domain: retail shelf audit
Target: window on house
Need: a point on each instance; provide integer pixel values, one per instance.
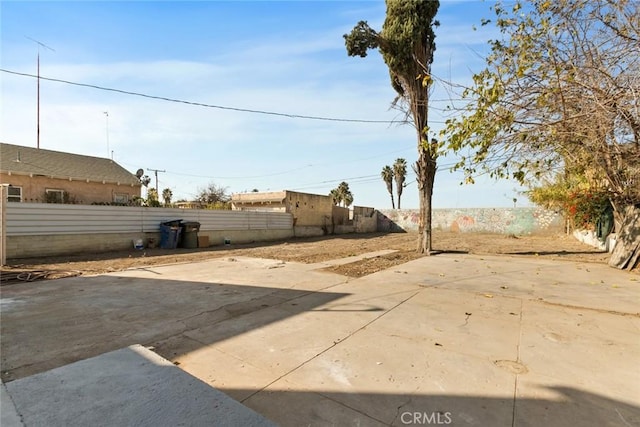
(120, 198)
(54, 196)
(15, 194)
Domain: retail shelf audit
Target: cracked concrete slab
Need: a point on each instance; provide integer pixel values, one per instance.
(460, 339)
(130, 386)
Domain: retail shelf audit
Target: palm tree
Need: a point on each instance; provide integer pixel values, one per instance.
(348, 199)
(400, 173)
(335, 196)
(152, 198)
(341, 194)
(167, 194)
(345, 193)
(387, 177)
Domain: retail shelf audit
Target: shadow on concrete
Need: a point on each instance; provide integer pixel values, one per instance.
(54, 323)
(569, 407)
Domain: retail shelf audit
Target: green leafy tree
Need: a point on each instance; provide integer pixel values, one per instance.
(213, 194)
(167, 194)
(560, 92)
(400, 174)
(407, 44)
(387, 177)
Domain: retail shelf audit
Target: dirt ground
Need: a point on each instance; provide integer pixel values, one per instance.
(312, 250)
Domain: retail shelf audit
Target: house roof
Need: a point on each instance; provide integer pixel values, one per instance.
(258, 198)
(16, 159)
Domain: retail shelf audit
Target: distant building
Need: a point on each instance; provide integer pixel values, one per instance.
(312, 213)
(38, 175)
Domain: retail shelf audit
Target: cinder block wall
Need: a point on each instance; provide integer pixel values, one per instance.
(60, 244)
(309, 209)
(492, 220)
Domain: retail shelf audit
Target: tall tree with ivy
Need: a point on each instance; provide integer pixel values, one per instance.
(407, 45)
(560, 92)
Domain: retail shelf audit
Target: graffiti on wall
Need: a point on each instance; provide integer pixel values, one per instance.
(490, 220)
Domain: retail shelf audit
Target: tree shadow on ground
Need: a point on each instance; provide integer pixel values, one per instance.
(54, 323)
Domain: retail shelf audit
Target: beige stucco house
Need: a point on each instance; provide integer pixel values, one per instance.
(38, 175)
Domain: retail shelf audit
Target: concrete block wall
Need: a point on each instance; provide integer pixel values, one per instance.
(491, 220)
(67, 244)
(309, 209)
(218, 237)
(364, 224)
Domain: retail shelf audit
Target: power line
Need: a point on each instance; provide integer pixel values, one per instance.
(201, 104)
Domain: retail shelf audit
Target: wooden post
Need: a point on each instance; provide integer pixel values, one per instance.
(3, 223)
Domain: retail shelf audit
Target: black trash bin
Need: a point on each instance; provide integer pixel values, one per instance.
(190, 234)
(170, 234)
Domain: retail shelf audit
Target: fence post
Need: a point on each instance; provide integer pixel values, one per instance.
(4, 197)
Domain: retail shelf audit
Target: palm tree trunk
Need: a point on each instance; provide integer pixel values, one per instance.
(393, 206)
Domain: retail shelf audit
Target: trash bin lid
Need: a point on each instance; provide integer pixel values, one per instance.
(190, 226)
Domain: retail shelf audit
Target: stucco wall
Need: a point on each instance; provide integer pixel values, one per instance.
(492, 220)
(309, 209)
(340, 215)
(81, 192)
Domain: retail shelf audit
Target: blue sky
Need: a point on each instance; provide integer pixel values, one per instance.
(279, 56)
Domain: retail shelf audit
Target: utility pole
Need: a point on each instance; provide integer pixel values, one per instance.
(156, 172)
(106, 113)
(38, 107)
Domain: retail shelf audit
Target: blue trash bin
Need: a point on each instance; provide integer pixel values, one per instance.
(170, 234)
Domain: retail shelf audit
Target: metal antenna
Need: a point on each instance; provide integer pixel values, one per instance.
(156, 172)
(51, 49)
(106, 113)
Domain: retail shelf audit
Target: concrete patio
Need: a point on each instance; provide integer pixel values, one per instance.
(451, 339)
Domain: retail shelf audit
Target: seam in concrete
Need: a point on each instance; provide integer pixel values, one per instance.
(9, 415)
(579, 307)
(354, 409)
(622, 418)
(335, 343)
(515, 383)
